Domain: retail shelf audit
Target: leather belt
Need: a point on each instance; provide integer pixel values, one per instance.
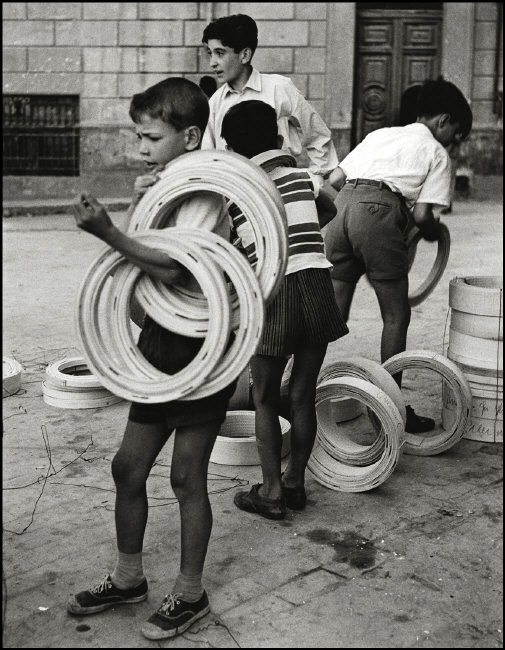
(367, 181)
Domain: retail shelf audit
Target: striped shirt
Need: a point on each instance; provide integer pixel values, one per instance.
(298, 188)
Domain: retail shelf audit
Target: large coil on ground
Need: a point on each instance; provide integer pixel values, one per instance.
(434, 443)
(334, 473)
(239, 180)
(336, 439)
(416, 296)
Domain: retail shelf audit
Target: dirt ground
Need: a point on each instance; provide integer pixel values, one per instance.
(415, 563)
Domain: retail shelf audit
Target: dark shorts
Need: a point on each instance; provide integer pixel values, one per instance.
(303, 312)
(368, 234)
(170, 352)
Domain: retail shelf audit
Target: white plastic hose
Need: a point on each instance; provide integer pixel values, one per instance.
(426, 444)
(417, 296)
(236, 442)
(12, 372)
(341, 476)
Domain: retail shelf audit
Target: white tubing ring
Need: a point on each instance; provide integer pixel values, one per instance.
(89, 399)
(485, 353)
(12, 371)
(106, 334)
(71, 373)
(443, 249)
(481, 295)
(429, 445)
(373, 372)
(236, 442)
(484, 327)
(337, 475)
(478, 429)
(242, 182)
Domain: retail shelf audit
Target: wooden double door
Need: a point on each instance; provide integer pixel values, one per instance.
(398, 45)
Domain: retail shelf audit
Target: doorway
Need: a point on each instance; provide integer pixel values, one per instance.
(397, 45)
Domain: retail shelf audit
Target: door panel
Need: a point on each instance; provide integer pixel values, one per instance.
(395, 50)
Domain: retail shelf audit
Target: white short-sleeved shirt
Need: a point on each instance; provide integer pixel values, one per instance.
(408, 158)
(299, 124)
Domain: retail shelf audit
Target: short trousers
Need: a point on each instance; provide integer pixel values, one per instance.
(304, 311)
(368, 234)
(170, 352)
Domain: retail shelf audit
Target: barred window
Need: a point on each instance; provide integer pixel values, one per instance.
(41, 135)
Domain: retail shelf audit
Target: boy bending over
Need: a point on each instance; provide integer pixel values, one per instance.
(170, 118)
(301, 320)
(393, 171)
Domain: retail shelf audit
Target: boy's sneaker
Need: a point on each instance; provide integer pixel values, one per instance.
(174, 616)
(105, 595)
(417, 423)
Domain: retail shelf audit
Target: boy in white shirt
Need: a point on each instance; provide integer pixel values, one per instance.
(392, 172)
(231, 42)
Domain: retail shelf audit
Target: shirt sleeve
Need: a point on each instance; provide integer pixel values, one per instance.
(205, 210)
(317, 182)
(437, 185)
(316, 135)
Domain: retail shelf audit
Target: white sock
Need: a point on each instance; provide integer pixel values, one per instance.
(190, 587)
(128, 572)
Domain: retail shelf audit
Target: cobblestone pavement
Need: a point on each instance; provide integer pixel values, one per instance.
(414, 563)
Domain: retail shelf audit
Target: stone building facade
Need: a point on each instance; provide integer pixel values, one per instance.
(102, 53)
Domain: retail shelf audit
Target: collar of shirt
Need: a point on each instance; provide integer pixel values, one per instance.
(254, 82)
(419, 126)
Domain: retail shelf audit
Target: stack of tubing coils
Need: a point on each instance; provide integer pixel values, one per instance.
(339, 462)
(104, 329)
(12, 372)
(416, 296)
(476, 346)
(68, 384)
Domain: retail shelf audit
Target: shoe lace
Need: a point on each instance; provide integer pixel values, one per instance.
(169, 603)
(102, 586)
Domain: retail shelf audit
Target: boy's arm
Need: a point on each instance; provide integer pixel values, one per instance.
(316, 135)
(326, 209)
(337, 178)
(428, 224)
(91, 216)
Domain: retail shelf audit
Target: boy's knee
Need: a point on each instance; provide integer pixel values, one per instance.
(126, 472)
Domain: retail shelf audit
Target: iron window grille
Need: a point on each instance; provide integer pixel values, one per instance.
(41, 135)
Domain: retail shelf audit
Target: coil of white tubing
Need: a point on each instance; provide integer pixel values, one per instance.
(429, 445)
(12, 372)
(236, 442)
(486, 353)
(478, 429)
(490, 408)
(89, 399)
(240, 399)
(73, 374)
(187, 312)
(417, 296)
(242, 182)
(340, 476)
(348, 451)
(105, 332)
(344, 409)
(480, 295)
(484, 327)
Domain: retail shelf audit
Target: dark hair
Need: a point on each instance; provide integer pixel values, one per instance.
(237, 31)
(442, 96)
(177, 101)
(408, 105)
(208, 85)
(250, 128)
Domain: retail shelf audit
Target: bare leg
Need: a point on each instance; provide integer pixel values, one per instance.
(395, 311)
(267, 374)
(302, 393)
(344, 292)
(130, 468)
(190, 460)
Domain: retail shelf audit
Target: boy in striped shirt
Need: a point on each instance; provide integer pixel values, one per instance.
(300, 321)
